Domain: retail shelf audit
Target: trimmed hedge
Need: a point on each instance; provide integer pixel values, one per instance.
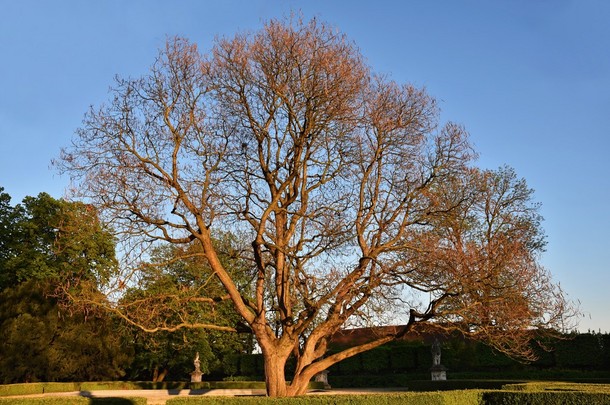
(141, 385)
(549, 393)
(534, 375)
(451, 385)
(578, 352)
(419, 382)
(412, 398)
(557, 386)
(368, 381)
(21, 389)
(45, 401)
(545, 398)
(47, 387)
(41, 388)
(471, 397)
(73, 401)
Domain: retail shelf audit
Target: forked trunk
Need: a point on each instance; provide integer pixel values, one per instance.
(159, 376)
(276, 381)
(298, 386)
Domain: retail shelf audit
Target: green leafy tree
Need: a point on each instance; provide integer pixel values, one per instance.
(50, 243)
(43, 342)
(8, 240)
(176, 276)
(55, 240)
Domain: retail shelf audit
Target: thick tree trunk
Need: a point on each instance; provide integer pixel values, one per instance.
(275, 363)
(274, 374)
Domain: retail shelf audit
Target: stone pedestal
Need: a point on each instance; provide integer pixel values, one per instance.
(322, 377)
(438, 373)
(196, 376)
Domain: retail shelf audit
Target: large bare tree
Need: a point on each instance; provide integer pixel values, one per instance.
(353, 200)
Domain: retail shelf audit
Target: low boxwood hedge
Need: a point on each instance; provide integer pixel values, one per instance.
(556, 386)
(21, 389)
(73, 401)
(450, 385)
(412, 398)
(60, 387)
(545, 398)
(407, 381)
(41, 388)
(45, 401)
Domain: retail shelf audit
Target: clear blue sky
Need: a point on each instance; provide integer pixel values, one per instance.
(530, 80)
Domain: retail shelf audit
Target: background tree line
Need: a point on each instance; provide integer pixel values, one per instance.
(45, 243)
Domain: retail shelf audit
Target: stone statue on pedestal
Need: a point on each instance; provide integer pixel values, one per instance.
(438, 371)
(196, 375)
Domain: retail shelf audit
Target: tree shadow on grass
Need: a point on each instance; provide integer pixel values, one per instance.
(106, 400)
(111, 401)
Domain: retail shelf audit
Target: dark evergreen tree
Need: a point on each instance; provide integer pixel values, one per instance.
(48, 243)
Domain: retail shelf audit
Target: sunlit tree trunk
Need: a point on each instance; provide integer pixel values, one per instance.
(275, 379)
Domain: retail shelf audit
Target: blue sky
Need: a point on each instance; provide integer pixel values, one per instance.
(529, 79)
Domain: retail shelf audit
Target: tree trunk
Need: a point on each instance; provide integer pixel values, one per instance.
(159, 376)
(275, 363)
(298, 386)
(274, 374)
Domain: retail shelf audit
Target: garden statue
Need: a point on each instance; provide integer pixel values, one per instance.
(438, 371)
(196, 375)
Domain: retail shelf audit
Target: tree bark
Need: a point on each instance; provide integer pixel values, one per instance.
(298, 386)
(274, 374)
(159, 376)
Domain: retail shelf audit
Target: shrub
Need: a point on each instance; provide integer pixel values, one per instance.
(45, 401)
(241, 378)
(60, 386)
(21, 389)
(249, 364)
(557, 386)
(545, 398)
(402, 358)
(376, 360)
(230, 364)
(227, 385)
(449, 385)
(580, 351)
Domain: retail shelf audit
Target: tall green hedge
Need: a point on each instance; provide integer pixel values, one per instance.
(583, 352)
(587, 352)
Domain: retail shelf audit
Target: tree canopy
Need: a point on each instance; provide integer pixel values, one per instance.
(168, 296)
(47, 243)
(48, 239)
(354, 200)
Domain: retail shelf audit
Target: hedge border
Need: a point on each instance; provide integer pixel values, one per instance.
(47, 387)
(74, 401)
(472, 397)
